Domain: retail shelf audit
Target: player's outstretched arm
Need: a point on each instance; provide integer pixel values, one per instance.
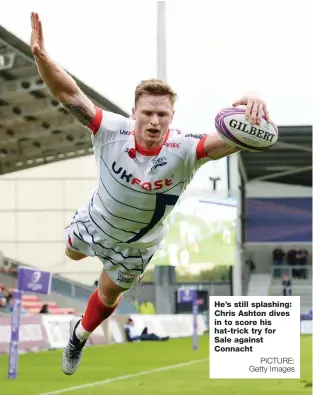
(216, 148)
(61, 85)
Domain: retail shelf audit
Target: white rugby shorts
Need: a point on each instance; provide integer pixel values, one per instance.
(124, 264)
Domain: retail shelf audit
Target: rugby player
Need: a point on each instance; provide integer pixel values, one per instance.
(142, 172)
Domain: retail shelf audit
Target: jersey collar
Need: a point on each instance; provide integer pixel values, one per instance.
(151, 152)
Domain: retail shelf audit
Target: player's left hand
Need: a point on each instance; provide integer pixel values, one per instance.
(255, 107)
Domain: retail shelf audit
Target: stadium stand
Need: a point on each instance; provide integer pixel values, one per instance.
(65, 297)
(299, 287)
(267, 284)
(289, 162)
(276, 209)
(35, 129)
(33, 304)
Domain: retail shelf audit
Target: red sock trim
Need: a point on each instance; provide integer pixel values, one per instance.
(96, 312)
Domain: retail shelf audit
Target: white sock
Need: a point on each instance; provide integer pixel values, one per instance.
(81, 332)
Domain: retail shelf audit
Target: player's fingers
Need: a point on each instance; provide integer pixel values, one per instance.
(266, 113)
(248, 109)
(240, 102)
(39, 31)
(259, 113)
(36, 21)
(32, 21)
(253, 112)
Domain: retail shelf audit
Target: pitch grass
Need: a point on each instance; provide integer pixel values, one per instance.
(40, 372)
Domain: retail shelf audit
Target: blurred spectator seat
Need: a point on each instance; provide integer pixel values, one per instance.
(37, 304)
(53, 310)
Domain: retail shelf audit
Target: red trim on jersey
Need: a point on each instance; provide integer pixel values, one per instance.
(200, 152)
(94, 126)
(154, 151)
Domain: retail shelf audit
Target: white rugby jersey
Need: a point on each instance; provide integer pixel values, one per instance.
(138, 188)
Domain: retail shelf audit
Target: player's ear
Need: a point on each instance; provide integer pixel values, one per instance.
(133, 113)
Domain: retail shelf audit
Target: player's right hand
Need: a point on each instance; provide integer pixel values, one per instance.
(36, 39)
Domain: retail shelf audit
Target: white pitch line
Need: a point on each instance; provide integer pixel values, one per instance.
(128, 376)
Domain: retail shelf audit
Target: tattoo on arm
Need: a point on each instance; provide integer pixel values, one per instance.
(80, 112)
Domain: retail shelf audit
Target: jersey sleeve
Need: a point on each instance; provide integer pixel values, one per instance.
(107, 125)
(196, 155)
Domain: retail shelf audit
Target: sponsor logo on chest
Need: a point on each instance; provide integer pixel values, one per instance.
(148, 185)
(159, 162)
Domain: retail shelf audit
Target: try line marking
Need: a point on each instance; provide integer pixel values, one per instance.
(128, 376)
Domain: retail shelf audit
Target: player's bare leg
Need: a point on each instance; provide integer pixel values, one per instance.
(101, 305)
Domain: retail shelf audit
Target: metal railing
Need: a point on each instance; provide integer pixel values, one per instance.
(301, 272)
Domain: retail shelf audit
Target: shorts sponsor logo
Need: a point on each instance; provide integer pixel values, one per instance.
(126, 277)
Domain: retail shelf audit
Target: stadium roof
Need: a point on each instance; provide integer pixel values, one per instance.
(34, 128)
(289, 161)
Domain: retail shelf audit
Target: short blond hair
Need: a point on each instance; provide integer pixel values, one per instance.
(154, 87)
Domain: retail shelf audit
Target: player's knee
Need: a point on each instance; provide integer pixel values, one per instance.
(109, 296)
(109, 292)
(109, 299)
(75, 256)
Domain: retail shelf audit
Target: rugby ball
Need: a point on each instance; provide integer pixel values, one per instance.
(233, 127)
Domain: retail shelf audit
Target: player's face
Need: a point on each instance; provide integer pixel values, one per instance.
(153, 115)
